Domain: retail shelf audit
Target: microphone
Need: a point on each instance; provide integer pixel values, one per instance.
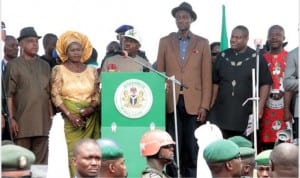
(258, 44)
(120, 52)
(145, 69)
(184, 86)
(150, 68)
(124, 53)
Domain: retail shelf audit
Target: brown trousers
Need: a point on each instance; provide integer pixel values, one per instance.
(38, 145)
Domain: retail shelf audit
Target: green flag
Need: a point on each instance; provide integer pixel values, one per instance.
(224, 38)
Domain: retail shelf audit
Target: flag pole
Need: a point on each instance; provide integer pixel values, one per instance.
(224, 37)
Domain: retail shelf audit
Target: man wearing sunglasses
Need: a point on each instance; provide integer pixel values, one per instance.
(158, 148)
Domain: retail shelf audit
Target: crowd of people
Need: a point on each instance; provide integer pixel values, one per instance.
(233, 157)
(214, 86)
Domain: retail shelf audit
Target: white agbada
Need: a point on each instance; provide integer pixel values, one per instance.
(205, 134)
(58, 164)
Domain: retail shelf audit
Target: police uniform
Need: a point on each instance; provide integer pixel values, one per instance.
(153, 173)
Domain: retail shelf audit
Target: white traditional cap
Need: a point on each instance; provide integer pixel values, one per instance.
(133, 34)
(207, 133)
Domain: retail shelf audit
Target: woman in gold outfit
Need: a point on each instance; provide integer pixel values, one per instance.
(75, 90)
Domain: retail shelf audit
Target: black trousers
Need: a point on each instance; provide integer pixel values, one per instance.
(188, 148)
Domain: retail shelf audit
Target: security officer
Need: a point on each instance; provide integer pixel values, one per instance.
(263, 164)
(114, 47)
(121, 31)
(223, 158)
(158, 148)
(113, 162)
(247, 155)
(16, 161)
(241, 141)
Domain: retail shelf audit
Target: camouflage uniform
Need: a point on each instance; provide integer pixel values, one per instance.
(153, 173)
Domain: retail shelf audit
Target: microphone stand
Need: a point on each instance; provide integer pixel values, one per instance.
(255, 98)
(174, 81)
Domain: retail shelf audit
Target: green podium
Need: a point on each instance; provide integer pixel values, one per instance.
(132, 103)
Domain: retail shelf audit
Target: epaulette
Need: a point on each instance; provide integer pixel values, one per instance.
(152, 173)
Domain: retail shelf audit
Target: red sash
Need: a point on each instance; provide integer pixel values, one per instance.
(272, 119)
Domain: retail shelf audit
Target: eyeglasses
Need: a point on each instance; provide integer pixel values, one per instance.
(168, 146)
(214, 53)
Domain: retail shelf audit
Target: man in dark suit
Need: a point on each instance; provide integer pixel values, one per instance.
(187, 57)
(11, 49)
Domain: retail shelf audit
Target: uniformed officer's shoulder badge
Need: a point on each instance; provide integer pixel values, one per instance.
(154, 175)
(151, 173)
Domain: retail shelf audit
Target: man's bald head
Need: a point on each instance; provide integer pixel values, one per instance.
(284, 160)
